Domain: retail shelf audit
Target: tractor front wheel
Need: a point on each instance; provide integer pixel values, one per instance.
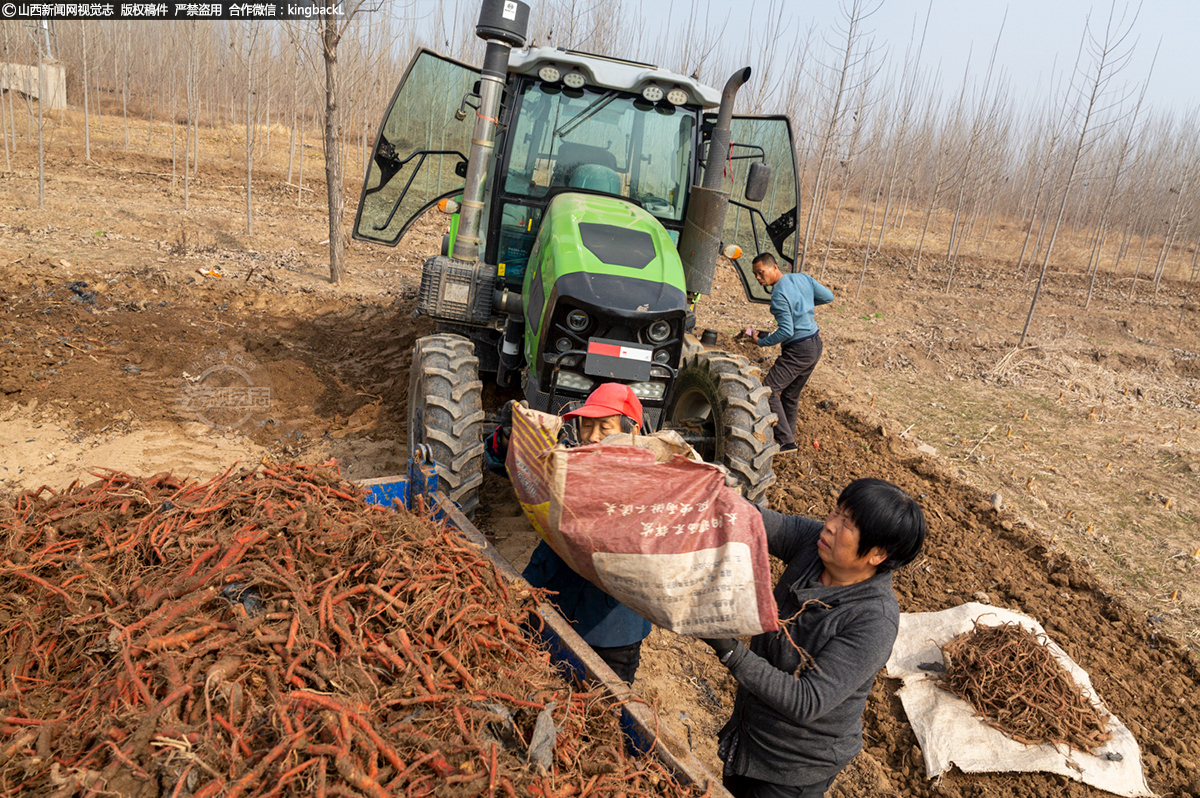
(720, 403)
(445, 412)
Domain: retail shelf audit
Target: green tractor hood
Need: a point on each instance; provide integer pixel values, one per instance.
(615, 262)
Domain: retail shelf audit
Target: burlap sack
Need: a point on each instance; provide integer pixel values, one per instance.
(648, 522)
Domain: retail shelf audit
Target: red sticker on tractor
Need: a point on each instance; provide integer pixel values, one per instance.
(614, 350)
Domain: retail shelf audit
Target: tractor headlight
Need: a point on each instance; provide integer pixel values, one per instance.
(646, 390)
(549, 73)
(573, 381)
(677, 96)
(658, 332)
(662, 356)
(562, 344)
(578, 320)
(653, 92)
(574, 80)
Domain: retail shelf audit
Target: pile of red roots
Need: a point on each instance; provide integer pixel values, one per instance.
(268, 633)
(1016, 685)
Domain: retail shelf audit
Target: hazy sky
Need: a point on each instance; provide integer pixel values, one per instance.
(1034, 35)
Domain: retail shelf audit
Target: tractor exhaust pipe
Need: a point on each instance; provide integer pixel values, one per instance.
(700, 242)
(502, 24)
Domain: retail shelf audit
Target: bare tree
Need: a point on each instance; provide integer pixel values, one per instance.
(1124, 148)
(985, 113)
(1109, 55)
(332, 29)
(855, 64)
(3, 116)
(247, 36)
(910, 78)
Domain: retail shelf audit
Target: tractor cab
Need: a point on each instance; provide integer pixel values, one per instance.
(571, 122)
(588, 201)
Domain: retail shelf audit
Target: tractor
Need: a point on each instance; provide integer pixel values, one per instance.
(589, 199)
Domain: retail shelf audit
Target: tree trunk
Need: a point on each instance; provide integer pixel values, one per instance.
(41, 132)
(87, 124)
(1138, 266)
(189, 98)
(300, 166)
(837, 212)
(125, 87)
(249, 158)
(333, 151)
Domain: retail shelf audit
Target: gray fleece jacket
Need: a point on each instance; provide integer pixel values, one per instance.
(798, 726)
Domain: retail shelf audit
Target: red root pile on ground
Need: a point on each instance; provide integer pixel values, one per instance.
(268, 633)
(1016, 685)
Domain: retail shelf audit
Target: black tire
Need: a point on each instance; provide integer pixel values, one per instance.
(445, 412)
(720, 396)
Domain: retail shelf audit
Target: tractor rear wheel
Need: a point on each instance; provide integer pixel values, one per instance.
(445, 412)
(720, 401)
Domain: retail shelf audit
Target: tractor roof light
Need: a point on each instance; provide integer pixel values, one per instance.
(574, 79)
(652, 92)
(549, 73)
(677, 96)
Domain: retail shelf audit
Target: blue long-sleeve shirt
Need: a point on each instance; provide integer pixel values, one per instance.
(793, 300)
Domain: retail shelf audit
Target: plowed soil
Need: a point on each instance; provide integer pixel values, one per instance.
(1089, 438)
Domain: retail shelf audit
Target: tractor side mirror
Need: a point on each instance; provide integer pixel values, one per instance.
(758, 181)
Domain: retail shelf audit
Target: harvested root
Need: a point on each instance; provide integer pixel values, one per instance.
(269, 633)
(1017, 686)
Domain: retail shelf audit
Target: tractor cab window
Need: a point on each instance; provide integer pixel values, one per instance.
(601, 140)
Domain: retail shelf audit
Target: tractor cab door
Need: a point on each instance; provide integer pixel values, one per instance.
(421, 149)
(770, 225)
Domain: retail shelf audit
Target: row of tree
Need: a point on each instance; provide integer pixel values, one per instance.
(911, 149)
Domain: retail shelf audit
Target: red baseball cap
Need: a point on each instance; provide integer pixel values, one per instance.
(610, 399)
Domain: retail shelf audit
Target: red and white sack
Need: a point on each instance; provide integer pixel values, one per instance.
(649, 523)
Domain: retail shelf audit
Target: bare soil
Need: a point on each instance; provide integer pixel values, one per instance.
(1089, 436)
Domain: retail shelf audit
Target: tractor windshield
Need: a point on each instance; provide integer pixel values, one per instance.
(601, 140)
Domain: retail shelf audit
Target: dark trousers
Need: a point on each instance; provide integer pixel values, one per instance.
(624, 660)
(787, 379)
(746, 787)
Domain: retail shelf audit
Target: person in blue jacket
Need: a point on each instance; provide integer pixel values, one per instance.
(797, 716)
(614, 631)
(793, 299)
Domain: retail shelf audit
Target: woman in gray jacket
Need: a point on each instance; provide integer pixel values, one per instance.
(797, 718)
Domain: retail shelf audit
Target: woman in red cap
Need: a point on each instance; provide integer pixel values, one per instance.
(614, 631)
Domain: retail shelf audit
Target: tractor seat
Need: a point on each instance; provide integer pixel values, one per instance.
(594, 177)
(570, 156)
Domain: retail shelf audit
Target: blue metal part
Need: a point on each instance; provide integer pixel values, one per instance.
(421, 480)
(387, 491)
